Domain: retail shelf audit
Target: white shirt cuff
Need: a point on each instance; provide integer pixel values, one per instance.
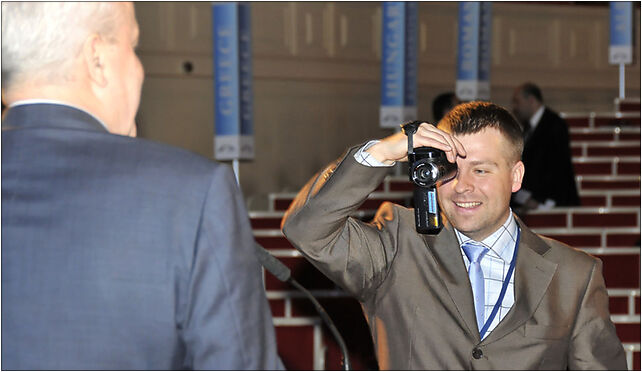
(364, 158)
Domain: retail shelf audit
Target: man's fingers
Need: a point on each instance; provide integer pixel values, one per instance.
(452, 141)
(431, 130)
(394, 147)
(438, 143)
(429, 135)
(460, 148)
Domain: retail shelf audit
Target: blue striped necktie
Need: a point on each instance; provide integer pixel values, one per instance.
(475, 252)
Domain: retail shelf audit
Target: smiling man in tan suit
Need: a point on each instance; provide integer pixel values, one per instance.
(542, 305)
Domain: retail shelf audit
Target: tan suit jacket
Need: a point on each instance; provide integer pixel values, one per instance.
(417, 297)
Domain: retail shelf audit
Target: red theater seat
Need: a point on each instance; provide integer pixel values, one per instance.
(628, 332)
(263, 222)
(610, 183)
(627, 105)
(296, 346)
(621, 270)
(304, 272)
(273, 242)
(611, 121)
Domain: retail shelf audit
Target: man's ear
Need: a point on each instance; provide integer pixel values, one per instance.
(517, 174)
(94, 58)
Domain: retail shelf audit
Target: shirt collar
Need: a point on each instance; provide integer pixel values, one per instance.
(54, 102)
(501, 242)
(534, 120)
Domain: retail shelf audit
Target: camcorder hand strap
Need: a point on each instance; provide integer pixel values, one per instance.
(409, 130)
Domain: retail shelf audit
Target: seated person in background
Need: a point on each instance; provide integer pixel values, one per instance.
(117, 252)
(435, 301)
(550, 179)
(442, 104)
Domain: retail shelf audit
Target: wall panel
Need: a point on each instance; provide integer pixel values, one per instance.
(317, 70)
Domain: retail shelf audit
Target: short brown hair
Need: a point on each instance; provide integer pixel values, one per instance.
(473, 117)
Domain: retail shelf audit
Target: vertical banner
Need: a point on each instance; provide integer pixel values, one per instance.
(410, 81)
(473, 50)
(247, 96)
(621, 33)
(232, 81)
(485, 36)
(398, 63)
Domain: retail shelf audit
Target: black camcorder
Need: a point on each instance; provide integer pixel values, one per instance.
(427, 166)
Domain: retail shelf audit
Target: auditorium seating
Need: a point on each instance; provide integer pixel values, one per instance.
(606, 157)
(627, 104)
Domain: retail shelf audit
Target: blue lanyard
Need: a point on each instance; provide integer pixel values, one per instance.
(498, 304)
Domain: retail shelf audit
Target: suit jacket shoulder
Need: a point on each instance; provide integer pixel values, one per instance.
(152, 240)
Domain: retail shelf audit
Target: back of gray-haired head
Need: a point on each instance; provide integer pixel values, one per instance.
(40, 40)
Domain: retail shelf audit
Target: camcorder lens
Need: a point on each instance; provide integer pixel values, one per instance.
(423, 174)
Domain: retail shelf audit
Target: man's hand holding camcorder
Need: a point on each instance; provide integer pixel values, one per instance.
(395, 147)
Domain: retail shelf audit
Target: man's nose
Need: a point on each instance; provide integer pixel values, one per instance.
(463, 182)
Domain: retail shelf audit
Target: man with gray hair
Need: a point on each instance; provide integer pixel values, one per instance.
(118, 253)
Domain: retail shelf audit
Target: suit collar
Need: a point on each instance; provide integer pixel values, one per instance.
(50, 115)
(453, 272)
(533, 274)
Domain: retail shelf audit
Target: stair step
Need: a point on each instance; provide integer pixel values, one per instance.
(600, 182)
(604, 134)
(602, 119)
(628, 332)
(606, 165)
(591, 196)
(605, 148)
(614, 201)
(281, 202)
(603, 240)
(304, 272)
(627, 104)
(584, 217)
(615, 265)
(624, 301)
(584, 182)
(296, 346)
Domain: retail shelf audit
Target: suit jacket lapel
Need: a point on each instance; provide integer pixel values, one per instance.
(533, 274)
(453, 273)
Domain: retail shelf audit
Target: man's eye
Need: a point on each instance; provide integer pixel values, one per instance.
(480, 171)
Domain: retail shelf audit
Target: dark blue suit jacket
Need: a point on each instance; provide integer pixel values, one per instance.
(121, 253)
(548, 161)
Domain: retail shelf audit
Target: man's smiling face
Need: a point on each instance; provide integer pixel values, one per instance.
(476, 202)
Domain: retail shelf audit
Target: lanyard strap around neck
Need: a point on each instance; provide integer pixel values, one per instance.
(498, 304)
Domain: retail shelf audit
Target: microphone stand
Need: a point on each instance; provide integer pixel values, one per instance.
(282, 272)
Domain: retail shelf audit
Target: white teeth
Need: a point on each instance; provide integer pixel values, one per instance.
(468, 205)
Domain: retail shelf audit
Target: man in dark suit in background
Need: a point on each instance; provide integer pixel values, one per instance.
(117, 253)
(550, 179)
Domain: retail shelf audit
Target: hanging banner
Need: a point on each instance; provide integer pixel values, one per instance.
(485, 35)
(410, 82)
(398, 64)
(473, 51)
(621, 33)
(247, 95)
(232, 59)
